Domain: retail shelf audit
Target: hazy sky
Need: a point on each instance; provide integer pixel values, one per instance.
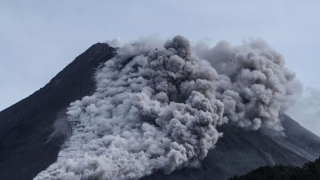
(39, 38)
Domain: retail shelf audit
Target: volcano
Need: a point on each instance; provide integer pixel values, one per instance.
(34, 130)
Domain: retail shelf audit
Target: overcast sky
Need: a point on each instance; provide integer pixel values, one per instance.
(39, 38)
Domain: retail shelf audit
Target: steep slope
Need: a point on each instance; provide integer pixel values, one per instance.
(26, 126)
(298, 139)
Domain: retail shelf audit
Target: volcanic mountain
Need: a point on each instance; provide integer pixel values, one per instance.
(34, 130)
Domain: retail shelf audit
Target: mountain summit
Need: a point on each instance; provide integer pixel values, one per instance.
(34, 130)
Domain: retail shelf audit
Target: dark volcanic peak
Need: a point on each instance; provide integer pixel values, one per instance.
(26, 126)
(157, 111)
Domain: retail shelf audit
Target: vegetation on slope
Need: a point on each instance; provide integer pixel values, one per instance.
(309, 171)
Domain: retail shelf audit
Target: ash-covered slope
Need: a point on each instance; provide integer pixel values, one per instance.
(26, 126)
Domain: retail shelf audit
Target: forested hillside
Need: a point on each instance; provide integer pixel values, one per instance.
(310, 171)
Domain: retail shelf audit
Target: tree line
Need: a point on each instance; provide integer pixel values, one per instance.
(309, 171)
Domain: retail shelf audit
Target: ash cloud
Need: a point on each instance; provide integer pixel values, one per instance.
(253, 84)
(157, 105)
(153, 109)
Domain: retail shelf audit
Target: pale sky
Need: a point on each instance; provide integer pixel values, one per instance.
(39, 38)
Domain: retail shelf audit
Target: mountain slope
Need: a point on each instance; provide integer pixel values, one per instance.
(26, 126)
(298, 139)
(240, 151)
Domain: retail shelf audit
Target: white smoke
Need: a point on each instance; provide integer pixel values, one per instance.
(116, 42)
(156, 107)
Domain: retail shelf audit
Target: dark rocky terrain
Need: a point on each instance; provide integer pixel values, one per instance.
(26, 126)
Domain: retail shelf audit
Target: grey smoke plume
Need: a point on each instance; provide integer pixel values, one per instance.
(253, 83)
(156, 107)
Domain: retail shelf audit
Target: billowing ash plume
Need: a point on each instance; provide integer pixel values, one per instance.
(253, 83)
(156, 107)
